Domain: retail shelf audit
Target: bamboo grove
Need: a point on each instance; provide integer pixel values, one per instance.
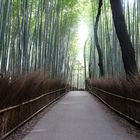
(108, 40)
(41, 34)
(35, 34)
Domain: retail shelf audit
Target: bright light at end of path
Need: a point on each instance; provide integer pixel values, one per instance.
(83, 31)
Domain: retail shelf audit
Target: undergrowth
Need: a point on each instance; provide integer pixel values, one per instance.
(127, 87)
(20, 88)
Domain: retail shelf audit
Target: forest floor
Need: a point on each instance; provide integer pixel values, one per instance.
(79, 116)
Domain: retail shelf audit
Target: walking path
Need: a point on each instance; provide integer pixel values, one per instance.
(79, 116)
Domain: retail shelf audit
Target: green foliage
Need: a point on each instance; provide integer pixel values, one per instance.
(38, 34)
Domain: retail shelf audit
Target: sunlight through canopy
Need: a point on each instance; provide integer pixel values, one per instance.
(83, 32)
(131, 2)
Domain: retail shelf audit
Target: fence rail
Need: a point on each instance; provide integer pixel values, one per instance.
(127, 107)
(118, 96)
(13, 117)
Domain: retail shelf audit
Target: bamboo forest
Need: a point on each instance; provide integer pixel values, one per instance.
(57, 46)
